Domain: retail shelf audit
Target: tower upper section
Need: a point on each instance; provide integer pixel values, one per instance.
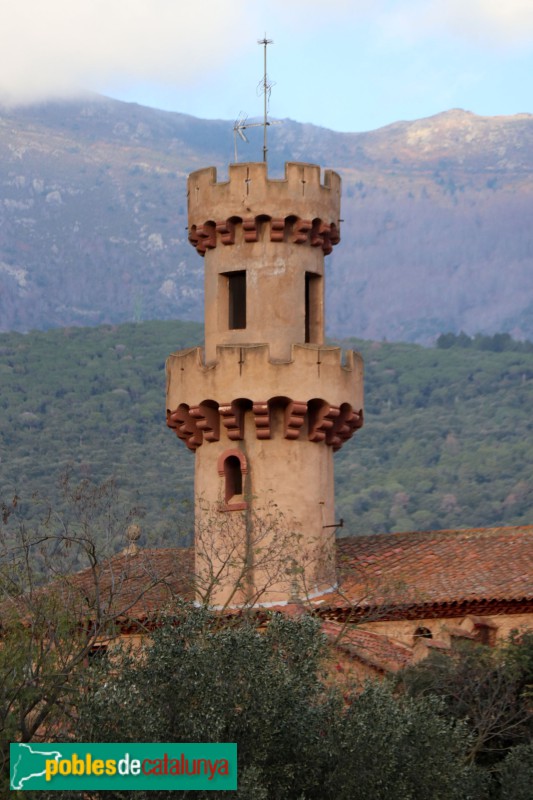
(249, 192)
(264, 242)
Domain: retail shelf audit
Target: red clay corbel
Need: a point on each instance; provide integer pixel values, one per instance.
(226, 229)
(233, 420)
(294, 419)
(262, 420)
(277, 229)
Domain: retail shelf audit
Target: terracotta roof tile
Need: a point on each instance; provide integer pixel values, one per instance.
(437, 566)
(386, 570)
(136, 585)
(375, 649)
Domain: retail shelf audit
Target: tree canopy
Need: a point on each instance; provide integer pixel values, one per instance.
(447, 440)
(203, 679)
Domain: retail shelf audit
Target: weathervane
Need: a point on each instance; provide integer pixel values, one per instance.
(264, 87)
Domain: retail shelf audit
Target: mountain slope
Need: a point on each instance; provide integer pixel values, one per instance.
(437, 230)
(447, 440)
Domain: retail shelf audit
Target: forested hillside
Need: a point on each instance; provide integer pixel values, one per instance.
(447, 441)
(436, 230)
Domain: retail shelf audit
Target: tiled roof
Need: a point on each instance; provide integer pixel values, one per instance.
(436, 567)
(133, 586)
(396, 570)
(374, 649)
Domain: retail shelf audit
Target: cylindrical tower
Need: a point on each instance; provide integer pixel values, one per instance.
(266, 405)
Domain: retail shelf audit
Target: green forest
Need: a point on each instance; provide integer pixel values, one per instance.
(447, 440)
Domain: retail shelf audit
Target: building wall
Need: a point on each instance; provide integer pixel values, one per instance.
(445, 629)
(279, 518)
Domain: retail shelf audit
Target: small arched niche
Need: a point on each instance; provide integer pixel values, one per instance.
(232, 467)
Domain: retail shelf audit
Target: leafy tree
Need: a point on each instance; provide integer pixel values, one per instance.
(440, 423)
(387, 747)
(49, 624)
(488, 690)
(498, 343)
(203, 679)
(515, 775)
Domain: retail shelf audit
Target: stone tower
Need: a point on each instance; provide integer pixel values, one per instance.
(266, 403)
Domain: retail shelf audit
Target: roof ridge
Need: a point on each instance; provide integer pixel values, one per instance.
(440, 531)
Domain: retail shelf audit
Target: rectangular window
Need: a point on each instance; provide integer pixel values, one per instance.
(237, 299)
(312, 306)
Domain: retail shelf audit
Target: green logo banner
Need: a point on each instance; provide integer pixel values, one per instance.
(113, 766)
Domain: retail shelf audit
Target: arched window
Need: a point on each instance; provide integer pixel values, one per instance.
(233, 477)
(231, 467)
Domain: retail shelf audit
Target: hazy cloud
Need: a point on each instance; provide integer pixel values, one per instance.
(506, 21)
(58, 47)
(485, 22)
(490, 21)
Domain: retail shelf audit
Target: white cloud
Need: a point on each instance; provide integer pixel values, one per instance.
(504, 21)
(507, 20)
(481, 22)
(58, 47)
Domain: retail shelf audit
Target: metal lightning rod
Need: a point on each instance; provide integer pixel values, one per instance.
(266, 91)
(241, 123)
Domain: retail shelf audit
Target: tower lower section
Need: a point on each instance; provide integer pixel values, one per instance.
(263, 433)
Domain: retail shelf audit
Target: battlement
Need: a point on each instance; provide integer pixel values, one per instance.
(250, 193)
(248, 371)
(319, 398)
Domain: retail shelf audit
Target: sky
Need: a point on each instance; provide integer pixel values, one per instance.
(348, 65)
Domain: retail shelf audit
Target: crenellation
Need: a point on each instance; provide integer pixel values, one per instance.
(243, 176)
(249, 192)
(325, 354)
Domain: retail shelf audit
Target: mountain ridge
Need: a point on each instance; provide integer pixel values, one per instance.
(436, 234)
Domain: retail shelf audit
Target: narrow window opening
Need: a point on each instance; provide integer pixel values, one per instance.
(237, 300)
(312, 308)
(486, 635)
(233, 476)
(307, 310)
(231, 467)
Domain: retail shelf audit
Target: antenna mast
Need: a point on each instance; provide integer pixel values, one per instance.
(264, 86)
(266, 92)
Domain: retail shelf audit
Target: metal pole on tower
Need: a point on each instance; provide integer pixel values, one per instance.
(266, 90)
